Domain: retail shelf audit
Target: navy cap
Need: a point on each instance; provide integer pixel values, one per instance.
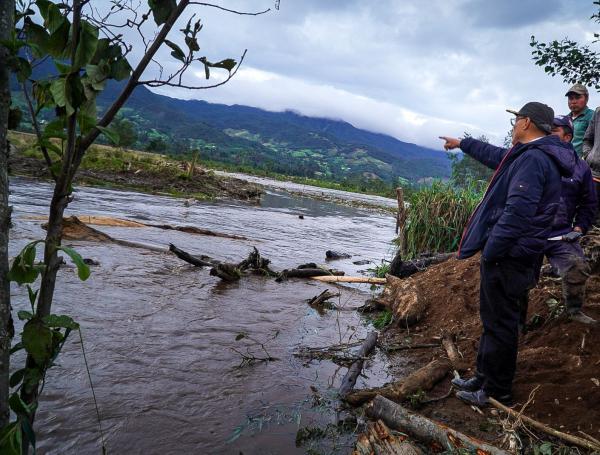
(564, 121)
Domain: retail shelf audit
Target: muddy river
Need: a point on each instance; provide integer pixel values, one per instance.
(160, 335)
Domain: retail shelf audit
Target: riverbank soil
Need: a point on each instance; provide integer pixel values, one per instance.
(148, 172)
(558, 363)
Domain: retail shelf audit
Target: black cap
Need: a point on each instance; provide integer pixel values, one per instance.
(540, 114)
(565, 123)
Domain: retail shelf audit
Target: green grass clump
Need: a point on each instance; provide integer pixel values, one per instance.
(436, 218)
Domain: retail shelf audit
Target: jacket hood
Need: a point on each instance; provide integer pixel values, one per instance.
(562, 153)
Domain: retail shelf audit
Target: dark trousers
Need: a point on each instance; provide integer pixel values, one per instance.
(504, 284)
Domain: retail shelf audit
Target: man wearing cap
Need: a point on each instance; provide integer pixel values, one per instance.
(591, 148)
(580, 115)
(510, 227)
(575, 215)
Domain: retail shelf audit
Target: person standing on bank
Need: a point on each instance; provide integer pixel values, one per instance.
(591, 148)
(578, 97)
(510, 226)
(575, 215)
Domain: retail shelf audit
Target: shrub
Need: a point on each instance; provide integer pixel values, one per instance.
(436, 218)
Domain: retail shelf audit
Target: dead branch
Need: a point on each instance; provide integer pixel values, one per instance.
(451, 349)
(355, 369)
(546, 429)
(433, 433)
(349, 279)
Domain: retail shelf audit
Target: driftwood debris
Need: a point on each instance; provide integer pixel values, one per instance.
(349, 279)
(436, 435)
(254, 263)
(379, 440)
(74, 229)
(308, 273)
(404, 269)
(355, 369)
(421, 380)
(320, 302)
(585, 443)
(195, 230)
(451, 350)
(123, 222)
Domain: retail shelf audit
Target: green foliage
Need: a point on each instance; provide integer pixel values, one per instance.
(384, 319)
(436, 218)
(381, 270)
(42, 338)
(467, 171)
(568, 59)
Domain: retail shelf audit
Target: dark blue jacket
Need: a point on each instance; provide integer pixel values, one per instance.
(514, 218)
(578, 201)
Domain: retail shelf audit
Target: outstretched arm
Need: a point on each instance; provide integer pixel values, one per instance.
(487, 154)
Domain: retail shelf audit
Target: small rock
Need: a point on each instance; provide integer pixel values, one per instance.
(301, 217)
(362, 262)
(90, 261)
(329, 254)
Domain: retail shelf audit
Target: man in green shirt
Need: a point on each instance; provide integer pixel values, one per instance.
(581, 114)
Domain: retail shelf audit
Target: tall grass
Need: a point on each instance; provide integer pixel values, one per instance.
(436, 218)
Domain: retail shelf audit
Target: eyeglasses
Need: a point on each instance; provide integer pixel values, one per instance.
(514, 120)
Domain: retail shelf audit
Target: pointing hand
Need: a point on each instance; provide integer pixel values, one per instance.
(451, 142)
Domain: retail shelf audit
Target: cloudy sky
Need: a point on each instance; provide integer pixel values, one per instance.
(409, 68)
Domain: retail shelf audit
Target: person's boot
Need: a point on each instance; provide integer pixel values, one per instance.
(470, 385)
(480, 398)
(578, 316)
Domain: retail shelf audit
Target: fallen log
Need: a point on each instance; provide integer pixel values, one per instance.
(404, 269)
(435, 434)
(378, 440)
(198, 261)
(307, 273)
(195, 230)
(425, 378)
(576, 440)
(349, 279)
(349, 380)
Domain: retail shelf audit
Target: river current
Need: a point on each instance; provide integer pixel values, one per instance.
(160, 334)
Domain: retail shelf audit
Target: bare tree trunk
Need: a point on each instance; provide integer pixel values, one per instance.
(7, 9)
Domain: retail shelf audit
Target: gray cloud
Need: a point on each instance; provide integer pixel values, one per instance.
(407, 68)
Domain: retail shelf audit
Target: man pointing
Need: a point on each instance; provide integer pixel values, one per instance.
(510, 227)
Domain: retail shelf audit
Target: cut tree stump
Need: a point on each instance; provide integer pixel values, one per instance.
(349, 380)
(438, 436)
(379, 440)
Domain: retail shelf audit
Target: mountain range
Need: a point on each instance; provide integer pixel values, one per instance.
(281, 142)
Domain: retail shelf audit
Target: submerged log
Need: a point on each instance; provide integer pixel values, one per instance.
(195, 230)
(435, 434)
(404, 269)
(198, 261)
(322, 298)
(424, 379)
(378, 440)
(349, 380)
(308, 273)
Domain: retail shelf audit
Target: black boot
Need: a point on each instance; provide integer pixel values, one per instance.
(470, 385)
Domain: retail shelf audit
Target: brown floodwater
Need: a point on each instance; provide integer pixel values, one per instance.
(160, 334)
